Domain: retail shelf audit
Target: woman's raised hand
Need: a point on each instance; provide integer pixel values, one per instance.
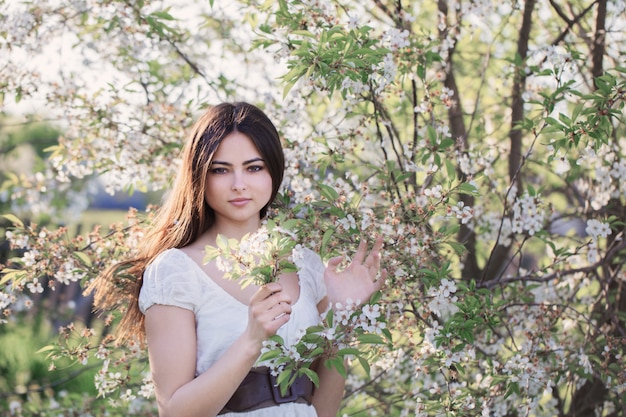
(359, 280)
(270, 308)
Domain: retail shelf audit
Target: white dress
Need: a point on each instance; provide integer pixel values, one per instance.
(175, 279)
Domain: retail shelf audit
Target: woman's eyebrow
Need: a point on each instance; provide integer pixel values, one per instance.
(248, 162)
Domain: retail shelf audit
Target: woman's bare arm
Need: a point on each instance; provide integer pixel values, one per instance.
(172, 342)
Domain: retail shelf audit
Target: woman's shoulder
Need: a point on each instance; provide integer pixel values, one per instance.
(171, 279)
(173, 258)
(174, 254)
(173, 266)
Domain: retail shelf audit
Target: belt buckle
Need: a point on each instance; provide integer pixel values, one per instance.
(290, 397)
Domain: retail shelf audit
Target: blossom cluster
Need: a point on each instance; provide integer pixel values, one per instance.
(596, 229)
(443, 298)
(257, 257)
(346, 331)
(528, 217)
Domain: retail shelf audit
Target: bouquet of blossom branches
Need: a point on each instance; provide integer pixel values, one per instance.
(258, 257)
(347, 331)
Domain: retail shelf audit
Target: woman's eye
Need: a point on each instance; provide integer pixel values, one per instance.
(218, 170)
(255, 168)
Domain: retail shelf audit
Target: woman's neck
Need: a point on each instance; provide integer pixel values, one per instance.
(230, 231)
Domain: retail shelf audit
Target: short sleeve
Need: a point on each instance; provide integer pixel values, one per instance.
(312, 270)
(171, 279)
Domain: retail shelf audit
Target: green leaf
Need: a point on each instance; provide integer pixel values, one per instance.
(458, 248)
(450, 168)
(513, 388)
(211, 253)
(375, 297)
(316, 352)
(387, 334)
(47, 348)
(304, 33)
(370, 338)
(467, 188)
(432, 134)
(348, 351)
(50, 349)
(271, 354)
(314, 329)
(449, 229)
(14, 275)
(283, 377)
(328, 234)
(14, 219)
(338, 364)
(313, 338)
(84, 258)
(328, 192)
(446, 143)
(364, 364)
(312, 375)
(277, 339)
(565, 119)
(552, 121)
(222, 242)
(292, 77)
(163, 15)
(421, 72)
(330, 317)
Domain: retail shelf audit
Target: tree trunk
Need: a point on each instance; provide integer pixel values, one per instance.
(459, 133)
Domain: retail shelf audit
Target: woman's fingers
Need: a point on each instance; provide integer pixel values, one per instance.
(333, 263)
(361, 252)
(270, 308)
(359, 256)
(266, 291)
(271, 297)
(372, 261)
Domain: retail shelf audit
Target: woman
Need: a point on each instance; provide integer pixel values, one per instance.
(205, 332)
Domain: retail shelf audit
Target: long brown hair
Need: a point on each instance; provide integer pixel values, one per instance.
(185, 215)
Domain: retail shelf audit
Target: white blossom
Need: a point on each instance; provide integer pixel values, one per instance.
(19, 241)
(596, 228)
(347, 223)
(395, 38)
(527, 215)
(35, 286)
(561, 164)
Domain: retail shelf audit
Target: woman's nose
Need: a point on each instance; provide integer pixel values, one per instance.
(238, 182)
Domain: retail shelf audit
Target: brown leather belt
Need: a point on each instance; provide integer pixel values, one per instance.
(259, 390)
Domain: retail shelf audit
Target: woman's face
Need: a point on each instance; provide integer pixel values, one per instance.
(238, 183)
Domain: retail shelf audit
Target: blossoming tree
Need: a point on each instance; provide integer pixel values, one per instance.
(485, 141)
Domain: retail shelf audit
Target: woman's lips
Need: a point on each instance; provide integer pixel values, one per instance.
(239, 201)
